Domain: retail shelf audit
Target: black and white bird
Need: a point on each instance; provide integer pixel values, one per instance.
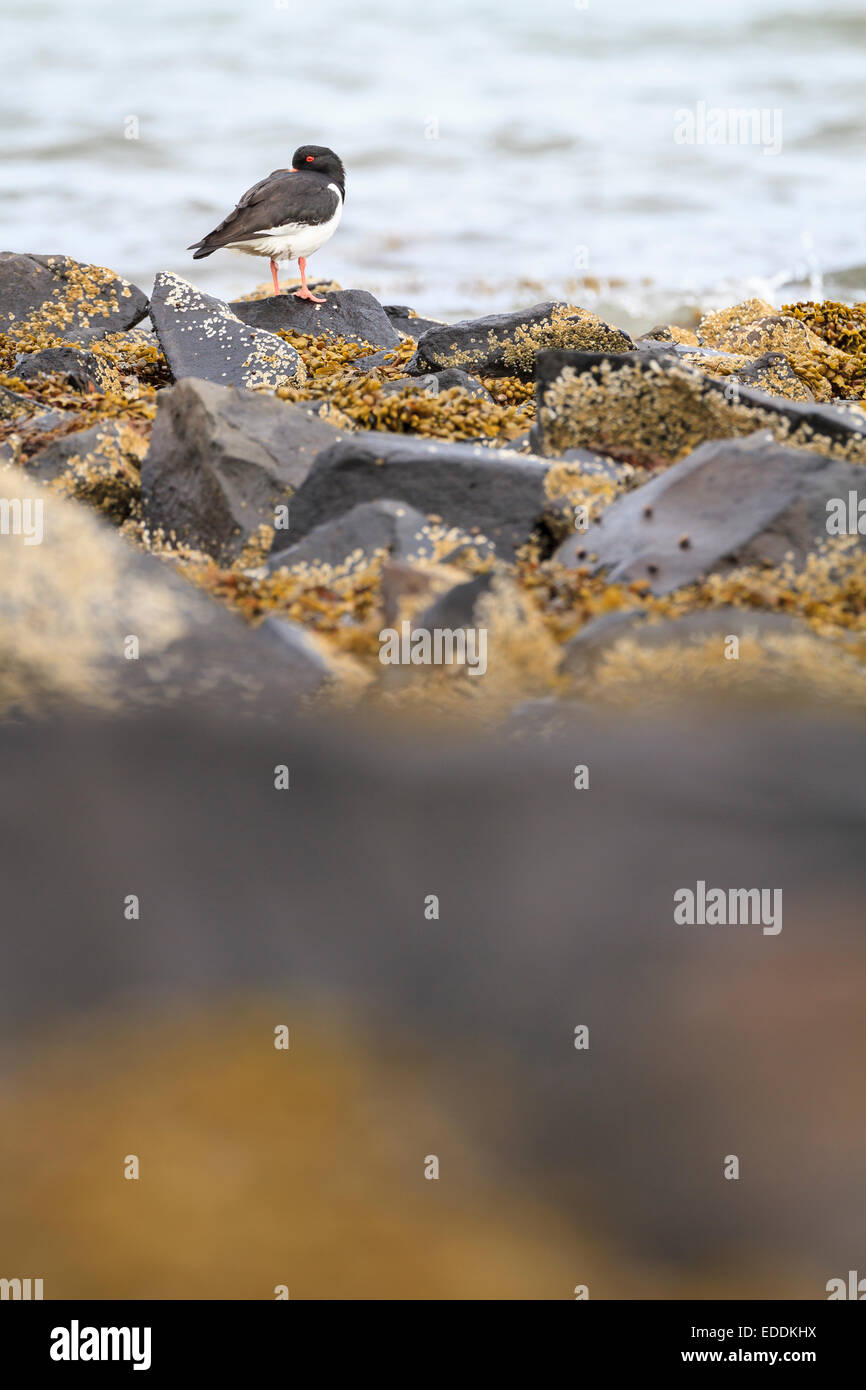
(286, 216)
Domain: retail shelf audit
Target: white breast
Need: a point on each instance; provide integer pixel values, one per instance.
(294, 239)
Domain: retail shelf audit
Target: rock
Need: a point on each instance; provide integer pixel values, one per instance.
(201, 337)
(730, 503)
(654, 409)
(456, 607)
(774, 375)
(83, 371)
(508, 344)
(488, 491)
(388, 527)
(78, 604)
(433, 383)
(407, 322)
(56, 296)
(221, 460)
(27, 413)
(100, 465)
(350, 314)
(707, 633)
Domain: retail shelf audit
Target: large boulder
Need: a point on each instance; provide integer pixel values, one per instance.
(489, 492)
(508, 344)
(54, 296)
(202, 337)
(221, 460)
(732, 502)
(350, 314)
(653, 408)
(89, 621)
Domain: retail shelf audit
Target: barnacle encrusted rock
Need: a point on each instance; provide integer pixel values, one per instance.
(62, 298)
(100, 465)
(352, 315)
(658, 408)
(508, 344)
(87, 620)
(81, 370)
(489, 491)
(221, 460)
(385, 529)
(202, 337)
(730, 503)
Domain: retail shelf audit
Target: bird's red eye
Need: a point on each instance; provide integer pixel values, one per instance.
(310, 158)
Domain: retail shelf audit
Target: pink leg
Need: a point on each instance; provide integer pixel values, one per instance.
(304, 292)
(274, 274)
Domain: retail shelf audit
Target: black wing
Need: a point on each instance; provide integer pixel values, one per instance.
(283, 198)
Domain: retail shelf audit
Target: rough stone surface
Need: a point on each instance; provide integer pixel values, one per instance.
(407, 323)
(730, 503)
(499, 494)
(100, 465)
(393, 527)
(433, 383)
(508, 344)
(202, 337)
(64, 297)
(221, 460)
(83, 371)
(351, 314)
(656, 409)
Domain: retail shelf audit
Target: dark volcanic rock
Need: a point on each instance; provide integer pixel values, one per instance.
(730, 503)
(456, 607)
(351, 314)
(373, 360)
(83, 370)
(658, 407)
(100, 465)
(56, 295)
(201, 337)
(402, 319)
(508, 344)
(221, 460)
(388, 526)
(434, 382)
(498, 493)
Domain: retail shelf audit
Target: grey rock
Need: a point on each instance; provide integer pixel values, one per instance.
(386, 525)
(221, 460)
(351, 314)
(456, 607)
(508, 344)
(652, 402)
(50, 287)
(401, 317)
(496, 493)
(83, 370)
(202, 337)
(732, 502)
(432, 383)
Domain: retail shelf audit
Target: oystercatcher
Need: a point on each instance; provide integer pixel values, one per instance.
(286, 216)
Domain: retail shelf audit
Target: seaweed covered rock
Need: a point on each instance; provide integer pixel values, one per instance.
(489, 492)
(433, 383)
(202, 337)
(57, 297)
(652, 409)
(730, 503)
(508, 344)
(221, 460)
(100, 465)
(353, 315)
(89, 621)
(81, 370)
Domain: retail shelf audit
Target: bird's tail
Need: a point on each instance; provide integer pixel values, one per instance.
(203, 250)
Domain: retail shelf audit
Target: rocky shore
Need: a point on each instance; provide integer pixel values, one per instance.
(238, 498)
